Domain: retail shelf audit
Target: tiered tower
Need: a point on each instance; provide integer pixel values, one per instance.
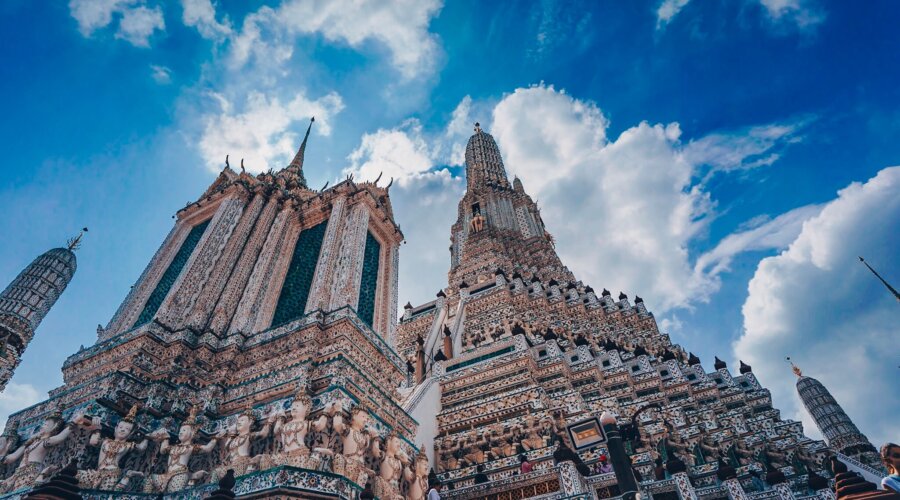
(28, 299)
(515, 349)
(259, 333)
(833, 422)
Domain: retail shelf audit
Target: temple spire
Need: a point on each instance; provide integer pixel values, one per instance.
(298, 158)
(75, 243)
(295, 167)
(886, 284)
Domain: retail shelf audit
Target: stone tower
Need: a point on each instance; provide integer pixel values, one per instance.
(833, 422)
(28, 299)
(259, 333)
(515, 352)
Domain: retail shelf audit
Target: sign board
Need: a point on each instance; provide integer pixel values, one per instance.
(586, 433)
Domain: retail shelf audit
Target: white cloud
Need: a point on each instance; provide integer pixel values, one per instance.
(16, 397)
(261, 131)
(776, 233)
(399, 153)
(401, 27)
(139, 23)
(802, 14)
(201, 14)
(545, 134)
(136, 24)
(816, 303)
(161, 74)
(602, 199)
(745, 149)
(95, 14)
(667, 10)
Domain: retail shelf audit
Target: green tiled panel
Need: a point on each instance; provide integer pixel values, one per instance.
(171, 274)
(297, 281)
(369, 283)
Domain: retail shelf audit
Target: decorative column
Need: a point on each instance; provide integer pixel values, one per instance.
(198, 315)
(420, 360)
(448, 343)
(283, 228)
(187, 287)
(618, 457)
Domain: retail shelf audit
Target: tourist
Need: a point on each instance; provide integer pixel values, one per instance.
(890, 457)
(433, 490)
(480, 476)
(604, 465)
(524, 465)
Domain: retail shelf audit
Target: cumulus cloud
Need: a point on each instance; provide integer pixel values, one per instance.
(625, 211)
(262, 130)
(818, 304)
(802, 14)
(137, 22)
(400, 153)
(401, 27)
(16, 397)
(201, 14)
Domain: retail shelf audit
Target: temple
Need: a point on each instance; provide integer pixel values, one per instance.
(258, 340)
(28, 299)
(515, 352)
(833, 422)
(261, 349)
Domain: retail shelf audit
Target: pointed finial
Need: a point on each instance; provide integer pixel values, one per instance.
(886, 284)
(378, 178)
(75, 243)
(391, 183)
(297, 162)
(242, 166)
(794, 368)
(477, 128)
(226, 162)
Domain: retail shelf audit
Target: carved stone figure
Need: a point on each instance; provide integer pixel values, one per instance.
(9, 440)
(391, 469)
(291, 435)
(357, 440)
(418, 477)
(477, 224)
(108, 475)
(178, 476)
(32, 468)
(236, 442)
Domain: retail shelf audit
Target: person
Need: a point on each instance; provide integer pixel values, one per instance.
(524, 465)
(480, 476)
(604, 465)
(890, 457)
(433, 490)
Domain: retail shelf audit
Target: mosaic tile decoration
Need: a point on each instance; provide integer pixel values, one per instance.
(172, 272)
(297, 281)
(367, 286)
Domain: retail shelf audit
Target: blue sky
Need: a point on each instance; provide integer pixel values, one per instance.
(725, 160)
